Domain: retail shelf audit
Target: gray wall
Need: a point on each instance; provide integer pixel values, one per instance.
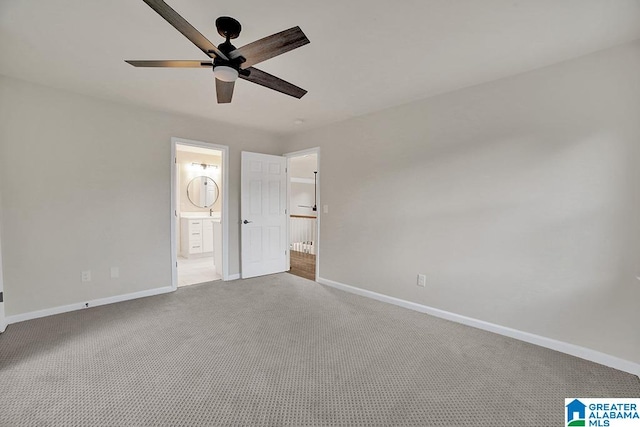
(85, 184)
(518, 199)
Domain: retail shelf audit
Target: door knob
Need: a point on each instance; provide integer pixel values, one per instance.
(246, 222)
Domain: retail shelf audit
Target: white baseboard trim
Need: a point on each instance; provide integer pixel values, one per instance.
(233, 277)
(563, 347)
(82, 305)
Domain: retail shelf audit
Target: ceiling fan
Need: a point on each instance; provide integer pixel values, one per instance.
(229, 63)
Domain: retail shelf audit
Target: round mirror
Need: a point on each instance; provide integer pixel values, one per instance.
(202, 191)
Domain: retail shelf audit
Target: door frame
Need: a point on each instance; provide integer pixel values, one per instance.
(224, 216)
(316, 151)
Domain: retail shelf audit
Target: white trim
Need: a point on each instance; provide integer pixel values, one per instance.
(316, 151)
(225, 205)
(3, 320)
(234, 276)
(288, 261)
(299, 153)
(563, 347)
(174, 215)
(82, 305)
(318, 215)
(302, 180)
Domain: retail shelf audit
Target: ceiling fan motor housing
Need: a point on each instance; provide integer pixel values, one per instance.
(228, 27)
(234, 63)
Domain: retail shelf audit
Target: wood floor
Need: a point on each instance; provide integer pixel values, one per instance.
(303, 265)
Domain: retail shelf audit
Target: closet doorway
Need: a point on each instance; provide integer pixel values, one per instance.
(303, 210)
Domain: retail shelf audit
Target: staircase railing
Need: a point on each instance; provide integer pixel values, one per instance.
(303, 233)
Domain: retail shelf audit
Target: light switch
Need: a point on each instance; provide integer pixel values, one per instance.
(325, 209)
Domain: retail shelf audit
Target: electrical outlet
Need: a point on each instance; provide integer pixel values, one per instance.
(115, 272)
(86, 276)
(422, 280)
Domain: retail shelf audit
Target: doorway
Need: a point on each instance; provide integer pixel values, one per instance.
(303, 208)
(199, 212)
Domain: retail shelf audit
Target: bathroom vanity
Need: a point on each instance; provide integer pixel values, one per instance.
(201, 236)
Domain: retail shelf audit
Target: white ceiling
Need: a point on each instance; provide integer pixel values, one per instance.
(434, 46)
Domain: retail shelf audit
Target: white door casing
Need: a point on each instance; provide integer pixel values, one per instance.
(3, 323)
(222, 265)
(316, 151)
(263, 214)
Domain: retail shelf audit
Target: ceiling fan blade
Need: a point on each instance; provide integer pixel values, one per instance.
(171, 64)
(273, 82)
(181, 24)
(224, 91)
(268, 47)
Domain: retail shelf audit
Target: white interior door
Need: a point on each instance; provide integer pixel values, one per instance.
(263, 214)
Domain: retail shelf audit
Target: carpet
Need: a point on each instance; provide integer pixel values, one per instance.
(281, 351)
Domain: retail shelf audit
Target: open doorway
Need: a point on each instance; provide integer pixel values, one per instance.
(198, 237)
(303, 213)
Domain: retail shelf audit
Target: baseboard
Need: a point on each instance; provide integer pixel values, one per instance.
(233, 277)
(563, 347)
(83, 305)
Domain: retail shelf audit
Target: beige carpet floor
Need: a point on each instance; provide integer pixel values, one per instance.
(281, 350)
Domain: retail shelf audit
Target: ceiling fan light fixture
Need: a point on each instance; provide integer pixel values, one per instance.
(226, 74)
